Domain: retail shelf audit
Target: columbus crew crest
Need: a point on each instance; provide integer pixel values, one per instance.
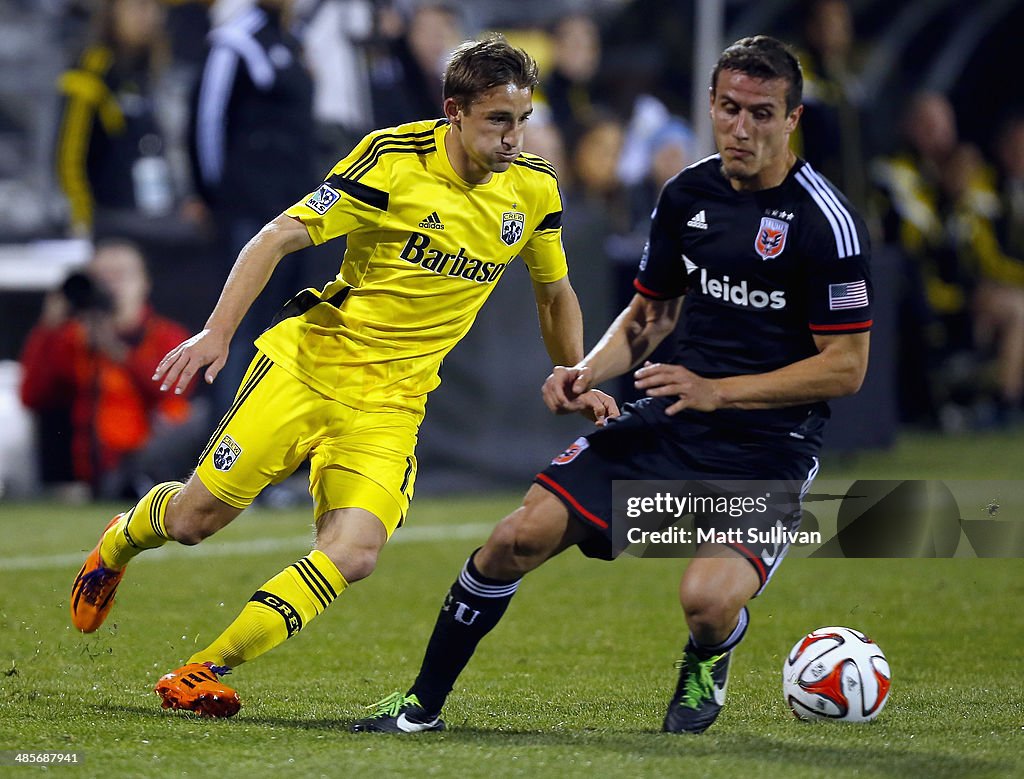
(512, 223)
(226, 453)
(771, 237)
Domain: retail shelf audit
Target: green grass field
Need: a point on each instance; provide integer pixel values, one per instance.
(572, 683)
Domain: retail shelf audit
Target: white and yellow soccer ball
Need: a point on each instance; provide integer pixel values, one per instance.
(836, 673)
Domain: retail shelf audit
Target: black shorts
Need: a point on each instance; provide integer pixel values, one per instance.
(645, 444)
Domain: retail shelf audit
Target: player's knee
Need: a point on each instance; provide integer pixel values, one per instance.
(498, 551)
(352, 538)
(354, 563)
(190, 529)
(513, 549)
(708, 612)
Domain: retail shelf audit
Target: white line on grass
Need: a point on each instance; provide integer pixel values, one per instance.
(413, 535)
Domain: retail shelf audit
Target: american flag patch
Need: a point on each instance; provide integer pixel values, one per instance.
(853, 294)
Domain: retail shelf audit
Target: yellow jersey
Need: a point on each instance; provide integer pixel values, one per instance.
(424, 251)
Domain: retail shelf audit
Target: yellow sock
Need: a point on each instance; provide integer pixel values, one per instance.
(277, 611)
(140, 528)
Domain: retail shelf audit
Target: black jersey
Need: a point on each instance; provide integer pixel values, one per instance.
(762, 272)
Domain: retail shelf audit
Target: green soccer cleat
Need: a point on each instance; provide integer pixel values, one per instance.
(398, 713)
(700, 693)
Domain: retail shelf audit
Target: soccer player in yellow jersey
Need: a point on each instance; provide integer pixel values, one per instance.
(434, 211)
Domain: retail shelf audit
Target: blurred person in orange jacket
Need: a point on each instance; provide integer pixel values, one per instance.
(92, 355)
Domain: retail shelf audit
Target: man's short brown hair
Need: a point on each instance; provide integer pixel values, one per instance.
(476, 66)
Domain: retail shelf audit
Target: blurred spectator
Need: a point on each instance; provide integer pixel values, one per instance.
(649, 120)
(92, 357)
(253, 149)
(222, 11)
(934, 312)
(544, 138)
(188, 22)
(599, 224)
(405, 80)
(831, 135)
(668, 151)
(335, 39)
(978, 225)
(570, 90)
(672, 150)
(596, 184)
(959, 298)
(647, 48)
(1010, 153)
(110, 155)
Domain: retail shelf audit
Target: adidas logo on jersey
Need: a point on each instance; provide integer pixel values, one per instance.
(698, 220)
(432, 222)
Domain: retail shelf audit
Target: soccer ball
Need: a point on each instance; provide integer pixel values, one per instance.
(836, 674)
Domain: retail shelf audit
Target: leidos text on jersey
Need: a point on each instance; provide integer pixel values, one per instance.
(739, 294)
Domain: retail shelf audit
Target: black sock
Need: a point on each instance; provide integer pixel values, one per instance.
(704, 652)
(472, 607)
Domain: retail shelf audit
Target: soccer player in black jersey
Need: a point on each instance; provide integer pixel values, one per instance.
(767, 264)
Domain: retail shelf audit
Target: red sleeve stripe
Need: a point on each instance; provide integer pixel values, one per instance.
(845, 327)
(650, 293)
(551, 484)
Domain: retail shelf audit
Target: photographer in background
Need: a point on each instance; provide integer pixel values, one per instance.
(90, 360)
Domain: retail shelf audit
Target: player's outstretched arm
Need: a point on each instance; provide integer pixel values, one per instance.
(630, 338)
(561, 325)
(248, 276)
(634, 334)
(836, 370)
(561, 321)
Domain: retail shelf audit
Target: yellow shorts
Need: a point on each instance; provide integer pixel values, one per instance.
(358, 459)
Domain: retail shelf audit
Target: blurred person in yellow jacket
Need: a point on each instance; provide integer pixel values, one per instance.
(110, 148)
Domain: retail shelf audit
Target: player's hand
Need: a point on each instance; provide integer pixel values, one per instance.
(694, 392)
(562, 389)
(176, 369)
(567, 391)
(598, 406)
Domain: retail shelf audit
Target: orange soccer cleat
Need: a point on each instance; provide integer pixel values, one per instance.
(92, 594)
(197, 687)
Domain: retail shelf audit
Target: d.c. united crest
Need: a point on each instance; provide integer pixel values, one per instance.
(512, 223)
(226, 453)
(771, 237)
(569, 454)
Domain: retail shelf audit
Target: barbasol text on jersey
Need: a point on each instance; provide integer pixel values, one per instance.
(418, 251)
(739, 294)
